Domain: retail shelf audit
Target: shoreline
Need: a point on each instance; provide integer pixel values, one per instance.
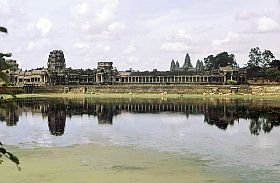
(136, 96)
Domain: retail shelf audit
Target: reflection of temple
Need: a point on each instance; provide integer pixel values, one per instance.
(12, 117)
(221, 116)
(220, 112)
(56, 120)
(9, 114)
(104, 114)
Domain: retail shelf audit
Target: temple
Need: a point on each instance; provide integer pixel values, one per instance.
(57, 73)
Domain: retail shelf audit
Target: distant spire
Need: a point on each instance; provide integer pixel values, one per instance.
(199, 65)
(187, 64)
(177, 65)
(172, 65)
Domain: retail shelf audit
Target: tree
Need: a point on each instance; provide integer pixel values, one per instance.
(275, 64)
(3, 66)
(220, 60)
(267, 57)
(255, 58)
(262, 64)
(3, 29)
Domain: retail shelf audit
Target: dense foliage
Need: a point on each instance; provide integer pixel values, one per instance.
(3, 64)
(220, 60)
(263, 64)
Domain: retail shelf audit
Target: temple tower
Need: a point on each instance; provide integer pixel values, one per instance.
(172, 65)
(56, 66)
(177, 65)
(56, 61)
(199, 65)
(187, 64)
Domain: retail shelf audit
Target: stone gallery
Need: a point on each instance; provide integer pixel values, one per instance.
(57, 73)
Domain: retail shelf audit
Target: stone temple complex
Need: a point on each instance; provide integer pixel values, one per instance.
(57, 73)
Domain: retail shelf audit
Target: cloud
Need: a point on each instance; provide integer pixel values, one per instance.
(176, 41)
(9, 7)
(38, 44)
(220, 43)
(81, 46)
(116, 27)
(81, 9)
(175, 47)
(98, 10)
(129, 50)
(180, 35)
(44, 25)
(104, 47)
(267, 24)
(97, 20)
(108, 10)
(245, 15)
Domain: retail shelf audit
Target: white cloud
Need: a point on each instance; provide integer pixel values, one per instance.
(116, 27)
(220, 43)
(267, 24)
(245, 15)
(108, 10)
(97, 20)
(9, 7)
(129, 50)
(180, 35)
(81, 46)
(30, 45)
(175, 46)
(5, 7)
(81, 9)
(44, 25)
(38, 44)
(131, 60)
(176, 41)
(104, 47)
(96, 11)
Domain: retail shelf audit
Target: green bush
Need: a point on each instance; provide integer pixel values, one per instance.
(231, 82)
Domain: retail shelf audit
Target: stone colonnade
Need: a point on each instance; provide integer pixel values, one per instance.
(165, 79)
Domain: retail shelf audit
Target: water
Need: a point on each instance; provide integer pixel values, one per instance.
(237, 136)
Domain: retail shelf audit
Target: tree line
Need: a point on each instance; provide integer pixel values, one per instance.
(261, 64)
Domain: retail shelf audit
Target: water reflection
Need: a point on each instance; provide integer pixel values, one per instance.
(9, 113)
(56, 118)
(263, 115)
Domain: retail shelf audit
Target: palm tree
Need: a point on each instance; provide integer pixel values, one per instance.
(3, 29)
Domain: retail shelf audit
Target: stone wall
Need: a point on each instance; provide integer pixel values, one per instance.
(158, 89)
(261, 90)
(152, 89)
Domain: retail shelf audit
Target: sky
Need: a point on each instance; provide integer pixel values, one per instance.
(142, 35)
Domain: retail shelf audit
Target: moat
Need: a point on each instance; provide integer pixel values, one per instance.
(239, 136)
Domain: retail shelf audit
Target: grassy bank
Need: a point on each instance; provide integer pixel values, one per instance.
(134, 95)
(98, 163)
